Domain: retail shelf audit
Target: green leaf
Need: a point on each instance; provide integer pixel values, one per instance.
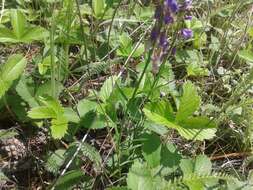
(21, 31)
(92, 154)
(71, 115)
(24, 92)
(10, 71)
(162, 107)
(107, 88)
(197, 128)
(195, 70)
(54, 161)
(44, 65)
(246, 55)
(140, 177)
(170, 157)
(6, 35)
(5, 134)
(42, 112)
(189, 102)
(84, 106)
(69, 179)
(18, 23)
(201, 165)
(151, 149)
(34, 34)
(59, 127)
(157, 118)
(98, 7)
(52, 104)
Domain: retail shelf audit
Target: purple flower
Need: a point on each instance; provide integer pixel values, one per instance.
(187, 33)
(168, 19)
(173, 51)
(188, 17)
(187, 4)
(172, 5)
(158, 12)
(163, 42)
(154, 34)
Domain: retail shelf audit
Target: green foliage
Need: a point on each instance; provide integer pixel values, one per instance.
(147, 112)
(54, 161)
(198, 128)
(69, 179)
(21, 31)
(98, 7)
(11, 71)
(92, 154)
(51, 109)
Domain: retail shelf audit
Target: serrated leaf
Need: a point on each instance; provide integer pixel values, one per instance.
(52, 104)
(92, 154)
(24, 92)
(69, 179)
(42, 112)
(71, 115)
(197, 128)
(140, 177)
(84, 106)
(157, 118)
(151, 149)
(107, 88)
(10, 71)
(189, 102)
(54, 161)
(201, 165)
(59, 127)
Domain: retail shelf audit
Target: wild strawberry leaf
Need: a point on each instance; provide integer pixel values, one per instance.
(189, 102)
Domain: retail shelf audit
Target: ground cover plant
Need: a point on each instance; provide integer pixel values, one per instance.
(126, 94)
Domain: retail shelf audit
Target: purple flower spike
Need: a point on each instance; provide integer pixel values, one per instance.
(187, 33)
(172, 5)
(187, 4)
(158, 12)
(154, 34)
(188, 17)
(168, 19)
(163, 42)
(174, 51)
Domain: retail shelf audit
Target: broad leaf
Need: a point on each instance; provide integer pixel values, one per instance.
(69, 179)
(107, 88)
(246, 55)
(24, 92)
(141, 177)
(59, 127)
(84, 106)
(10, 71)
(98, 7)
(42, 112)
(151, 149)
(189, 102)
(18, 23)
